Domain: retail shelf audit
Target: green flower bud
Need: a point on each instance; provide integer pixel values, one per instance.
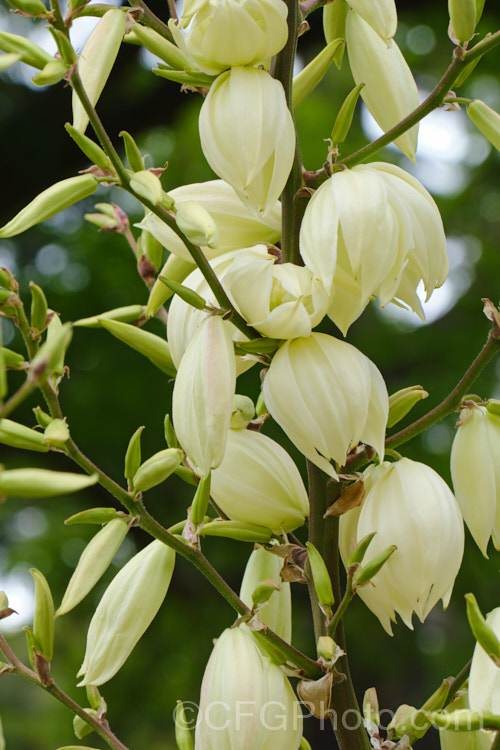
(3, 375)
(42, 418)
(133, 454)
(49, 202)
(50, 357)
(80, 726)
(402, 402)
(156, 469)
(159, 46)
(76, 747)
(148, 344)
(134, 156)
(196, 223)
(371, 707)
(4, 601)
(12, 360)
(147, 185)
(183, 738)
(175, 269)
(263, 592)
(438, 698)
(43, 618)
(238, 530)
(185, 293)
(198, 80)
(243, 412)
(368, 571)
(343, 121)
(92, 151)
(126, 610)
(463, 18)
(93, 563)
(64, 46)
(152, 248)
(304, 744)
(18, 436)
(277, 614)
(96, 61)
(39, 309)
(29, 7)
(52, 73)
(42, 482)
(310, 76)
(380, 15)
(170, 436)
(93, 515)
(56, 433)
(321, 579)
(408, 719)
(358, 553)
(486, 120)
(6, 61)
(482, 632)
(126, 314)
(31, 53)
(31, 644)
(200, 501)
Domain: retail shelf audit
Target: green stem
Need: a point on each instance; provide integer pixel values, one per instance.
(152, 20)
(458, 682)
(452, 401)
(17, 398)
(482, 47)
(340, 612)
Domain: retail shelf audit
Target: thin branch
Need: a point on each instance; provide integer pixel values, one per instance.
(458, 682)
(152, 20)
(17, 398)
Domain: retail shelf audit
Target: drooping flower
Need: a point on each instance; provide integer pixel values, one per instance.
(327, 396)
(475, 471)
(252, 31)
(247, 135)
(277, 612)
(484, 680)
(373, 230)
(246, 700)
(410, 506)
(381, 15)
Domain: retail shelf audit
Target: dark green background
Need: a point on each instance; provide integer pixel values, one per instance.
(113, 390)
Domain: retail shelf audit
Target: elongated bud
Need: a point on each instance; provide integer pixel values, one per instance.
(486, 120)
(96, 61)
(93, 515)
(463, 18)
(309, 77)
(42, 482)
(49, 202)
(50, 357)
(29, 7)
(134, 156)
(359, 551)
(482, 632)
(76, 747)
(80, 727)
(157, 468)
(41, 416)
(161, 47)
(185, 77)
(183, 737)
(437, 700)
(133, 454)
(243, 412)
(175, 269)
(92, 151)
(3, 373)
(12, 360)
(18, 436)
(321, 579)
(368, 571)
(6, 62)
(196, 223)
(126, 314)
(380, 15)
(52, 73)
(238, 530)
(200, 501)
(170, 436)
(402, 402)
(334, 18)
(39, 309)
(56, 433)
(125, 611)
(148, 344)
(370, 706)
(32, 645)
(64, 46)
(188, 295)
(31, 53)
(147, 185)
(93, 563)
(152, 248)
(346, 113)
(43, 618)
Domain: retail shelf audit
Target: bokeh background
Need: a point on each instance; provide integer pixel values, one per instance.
(112, 390)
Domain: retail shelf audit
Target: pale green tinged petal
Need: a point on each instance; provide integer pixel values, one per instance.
(484, 680)
(379, 14)
(277, 613)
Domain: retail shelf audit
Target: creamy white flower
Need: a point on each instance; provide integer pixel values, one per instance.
(453, 740)
(257, 482)
(327, 396)
(475, 471)
(484, 679)
(410, 506)
(381, 15)
(277, 612)
(202, 400)
(223, 34)
(237, 225)
(373, 231)
(247, 135)
(246, 700)
(390, 92)
(281, 301)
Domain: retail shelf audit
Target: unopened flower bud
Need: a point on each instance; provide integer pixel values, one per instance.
(49, 359)
(96, 61)
(486, 120)
(343, 121)
(334, 18)
(238, 530)
(133, 454)
(29, 7)
(92, 151)
(156, 469)
(56, 433)
(196, 223)
(402, 402)
(126, 610)
(93, 563)
(147, 185)
(52, 73)
(160, 47)
(277, 614)
(31, 53)
(243, 412)
(148, 344)
(321, 579)
(126, 314)
(370, 570)
(462, 18)
(18, 436)
(42, 482)
(380, 15)
(49, 202)
(80, 727)
(482, 632)
(183, 738)
(39, 309)
(310, 76)
(93, 516)
(43, 617)
(371, 707)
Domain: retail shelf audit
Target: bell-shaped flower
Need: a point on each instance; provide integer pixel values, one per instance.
(257, 482)
(202, 401)
(373, 231)
(484, 680)
(327, 396)
(390, 92)
(410, 506)
(381, 15)
(184, 319)
(237, 225)
(281, 301)
(246, 700)
(475, 471)
(229, 33)
(127, 608)
(247, 135)
(276, 613)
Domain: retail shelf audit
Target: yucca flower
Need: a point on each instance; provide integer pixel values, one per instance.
(484, 680)
(277, 612)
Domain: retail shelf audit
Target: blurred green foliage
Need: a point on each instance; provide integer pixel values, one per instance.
(112, 390)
